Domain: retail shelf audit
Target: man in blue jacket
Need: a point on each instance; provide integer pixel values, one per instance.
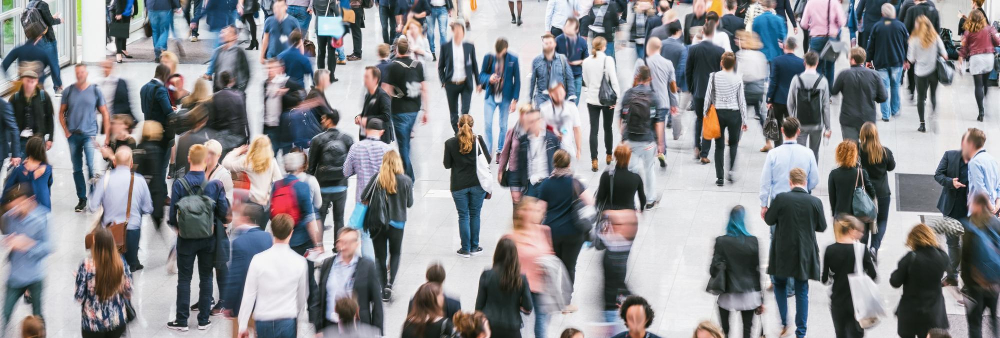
(156, 106)
(249, 240)
(574, 47)
(886, 51)
(500, 77)
(783, 69)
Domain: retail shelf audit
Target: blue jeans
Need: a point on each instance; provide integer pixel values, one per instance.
(187, 251)
(640, 51)
(614, 321)
(132, 245)
(162, 22)
(403, 123)
(610, 49)
(469, 202)
(279, 328)
(891, 78)
(489, 107)
(50, 49)
(801, 303)
(825, 68)
(577, 85)
(301, 15)
(387, 17)
(81, 146)
(438, 16)
(881, 221)
(541, 318)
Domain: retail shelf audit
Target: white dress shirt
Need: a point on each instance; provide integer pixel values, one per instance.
(457, 61)
(538, 165)
(276, 286)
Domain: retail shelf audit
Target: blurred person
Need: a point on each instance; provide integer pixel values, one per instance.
(536, 148)
(114, 88)
(728, 98)
(435, 275)
(952, 174)
(616, 241)
(977, 48)
(596, 68)
(32, 108)
(772, 30)
(347, 275)
(796, 216)
(824, 25)
(921, 307)
(694, 22)
(732, 23)
(557, 14)
(571, 333)
(846, 177)
(560, 192)
(293, 195)
(862, 88)
(200, 94)
(199, 134)
(103, 288)
(33, 55)
(121, 136)
(642, 130)
(664, 85)
(387, 10)
(458, 72)
(251, 240)
(602, 21)
(218, 15)
(737, 255)
(302, 11)
(547, 68)
(399, 197)
(258, 163)
(925, 47)
(365, 157)
(503, 294)
(869, 13)
(35, 170)
(192, 19)
(720, 38)
(32, 327)
(325, 52)
(840, 262)
(215, 172)
(408, 102)
(276, 286)
(708, 330)
(228, 114)
(784, 68)
(48, 38)
(79, 104)
(122, 196)
(563, 118)
(818, 122)
(247, 10)
(161, 18)
(984, 172)
(886, 47)
(157, 106)
(638, 316)
(435, 17)
(507, 165)
(229, 57)
(674, 50)
(420, 47)
(27, 238)
(781, 160)
(980, 293)
(317, 93)
(277, 29)
(753, 66)
(149, 162)
(574, 47)
(425, 317)
(461, 155)
(173, 80)
(704, 58)
(877, 160)
(377, 104)
(349, 326)
(327, 156)
(909, 14)
(531, 238)
(643, 12)
(977, 6)
(500, 77)
(474, 324)
(297, 66)
(628, 184)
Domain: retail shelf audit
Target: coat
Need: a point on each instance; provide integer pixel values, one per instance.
(703, 59)
(795, 215)
(742, 258)
(511, 77)
(948, 169)
(842, 183)
(121, 104)
(551, 145)
(922, 305)
(250, 243)
(378, 105)
(367, 291)
(10, 142)
(156, 105)
(446, 66)
(241, 72)
(783, 69)
(44, 121)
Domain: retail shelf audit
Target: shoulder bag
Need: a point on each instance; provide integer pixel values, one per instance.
(710, 128)
(717, 283)
(376, 219)
(868, 309)
(863, 207)
(945, 69)
(483, 168)
(606, 95)
(117, 229)
(833, 47)
(327, 25)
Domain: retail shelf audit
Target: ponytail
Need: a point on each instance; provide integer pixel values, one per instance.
(466, 139)
(598, 44)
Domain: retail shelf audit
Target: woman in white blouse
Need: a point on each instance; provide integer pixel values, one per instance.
(595, 69)
(725, 91)
(257, 166)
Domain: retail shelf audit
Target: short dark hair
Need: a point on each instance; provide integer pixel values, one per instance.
(673, 29)
(435, 273)
(333, 115)
(161, 73)
(377, 73)
(402, 46)
(500, 45)
(642, 74)
(730, 4)
(574, 21)
(812, 59)
(976, 137)
(457, 25)
(631, 301)
(790, 127)
(281, 226)
(346, 309)
(294, 38)
(225, 78)
(858, 55)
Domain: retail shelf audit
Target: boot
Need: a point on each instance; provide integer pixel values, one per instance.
(921, 128)
(593, 165)
(607, 159)
(253, 45)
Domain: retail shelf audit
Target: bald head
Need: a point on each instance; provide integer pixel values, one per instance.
(653, 45)
(123, 157)
(888, 11)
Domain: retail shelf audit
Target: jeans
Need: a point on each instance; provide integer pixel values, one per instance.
(53, 53)
(640, 51)
(541, 318)
(955, 252)
(222, 255)
(80, 147)
(301, 15)
(438, 16)
(403, 123)
(187, 251)
(610, 49)
(469, 203)
(595, 115)
(880, 221)
(162, 22)
(747, 321)
(392, 239)
(489, 107)
(891, 78)
(15, 293)
(801, 303)
(730, 123)
(811, 139)
(977, 300)
(642, 162)
(454, 91)
(197, 12)
(336, 200)
(132, 247)
(825, 68)
(577, 84)
(567, 249)
(388, 19)
(279, 328)
(923, 84)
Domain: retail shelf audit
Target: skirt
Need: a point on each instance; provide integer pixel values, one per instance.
(981, 63)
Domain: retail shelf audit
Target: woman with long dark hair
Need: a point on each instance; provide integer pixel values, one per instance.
(426, 316)
(503, 292)
(460, 155)
(34, 170)
(877, 161)
(103, 287)
(738, 255)
(977, 48)
(921, 307)
(399, 194)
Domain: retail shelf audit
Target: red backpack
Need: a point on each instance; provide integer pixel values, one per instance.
(284, 200)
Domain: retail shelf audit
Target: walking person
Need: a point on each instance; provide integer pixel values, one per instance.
(980, 293)
(737, 255)
(663, 82)
(115, 89)
(703, 59)
(80, 102)
(229, 58)
(258, 165)
(560, 192)
(377, 104)
(365, 157)
(30, 56)
(247, 10)
(48, 38)
(399, 197)
(642, 131)
(32, 107)
(752, 63)
(925, 47)
(596, 68)
(886, 49)
(347, 275)
(408, 102)
(781, 160)
(977, 49)
(35, 170)
(862, 89)
(276, 286)
(425, 318)
(157, 106)
(617, 187)
(772, 31)
(500, 77)
(983, 167)
(161, 18)
(103, 287)
(784, 68)
(824, 20)
(436, 17)
(119, 26)
(839, 262)
(845, 178)
(504, 293)
(461, 155)
(327, 156)
(952, 174)
(921, 307)
(574, 47)
(877, 161)
(277, 28)
(870, 14)
(532, 240)
(123, 197)
(809, 102)
(547, 68)
(603, 22)
(908, 15)
(563, 117)
(507, 160)
(617, 245)
(27, 238)
(249, 241)
(726, 88)
(557, 14)
(458, 72)
(536, 149)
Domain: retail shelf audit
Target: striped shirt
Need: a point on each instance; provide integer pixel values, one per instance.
(728, 92)
(364, 159)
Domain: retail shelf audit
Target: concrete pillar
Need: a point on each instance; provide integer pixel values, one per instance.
(93, 36)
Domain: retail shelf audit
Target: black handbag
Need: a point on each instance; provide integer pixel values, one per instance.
(147, 28)
(945, 71)
(377, 217)
(772, 131)
(606, 94)
(717, 284)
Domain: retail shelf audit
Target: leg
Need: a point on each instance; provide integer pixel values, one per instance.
(476, 197)
(910, 83)
(886, 79)
(571, 252)
(185, 271)
(735, 126)
(699, 112)
(541, 318)
(395, 249)
(781, 298)
(724, 321)
(132, 251)
(452, 92)
(815, 137)
(609, 136)
(466, 94)
(980, 83)
(322, 42)
(339, 201)
(933, 86)
(379, 242)
(76, 144)
(251, 23)
(801, 307)
(747, 322)
(10, 299)
(896, 76)
(955, 254)
(720, 151)
(221, 266)
(595, 116)
(356, 31)
(922, 83)
(462, 202)
(850, 132)
(88, 154)
(403, 124)
(489, 107)
(974, 308)
(577, 85)
(206, 261)
(442, 24)
(504, 114)
(324, 208)
(881, 220)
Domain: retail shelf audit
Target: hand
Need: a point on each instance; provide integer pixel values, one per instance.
(48, 145)
(357, 120)
(15, 161)
(827, 133)
(239, 8)
(612, 107)
(768, 106)
(660, 149)
(244, 334)
(178, 11)
(241, 149)
(960, 15)
(58, 16)
(954, 182)
(673, 111)
(206, 77)
(423, 119)
(500, 177)
(744, 128)
(68, 134)
(118, 17)
(309, 10)
(763, 210)
(489, 195)
(18, 242)
(796, 30)
(513, 106)
(262, 59)
(760, 310)
(318, 248)
(399, 29)
(479, 89)
(906, 65)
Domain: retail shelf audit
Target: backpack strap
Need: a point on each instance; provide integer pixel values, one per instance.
(185, 185)
(816, 84)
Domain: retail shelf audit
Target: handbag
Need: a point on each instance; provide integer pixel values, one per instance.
(483, 168)
(606, 94)
(771, 129)
(348, 15)
(147, 28)
(833, 47)
(710, 129)
(717, 284)
(868, 309)
(947, 226)
(117, 229)
(863, 206)
(945, 71)
(357, 219)
(376, 218)
(327, 25)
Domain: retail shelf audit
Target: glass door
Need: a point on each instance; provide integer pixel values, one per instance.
(66, 31)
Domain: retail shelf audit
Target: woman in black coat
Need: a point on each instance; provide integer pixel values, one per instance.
(877, 161)
(839, 261)
(845, 178)
(621, 194)
(119, 27)
(738, 255)
(921, 308)
(503, 292)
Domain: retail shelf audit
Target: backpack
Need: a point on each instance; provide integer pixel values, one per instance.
(809, 103)
(195, 212)
(636, 112)
(986, 255)
(285, 201)
(949, 44)
(300, 127)
(333, 155)
(32, 22)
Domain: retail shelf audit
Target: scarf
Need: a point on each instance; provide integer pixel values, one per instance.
(498, 70)
(736, 227)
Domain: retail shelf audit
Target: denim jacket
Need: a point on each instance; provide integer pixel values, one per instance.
(543, 72)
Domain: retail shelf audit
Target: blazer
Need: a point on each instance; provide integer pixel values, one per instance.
(742, 260)
(121, 104)
(703, 59)
(378, 105)
(783, 69)
(44, 121)
(922, 305)
(10, 142)
(501, 307)
(156, 104)
(446, 64)
(795, 215)
(511, 76)
(250, 243)
(950, 167)
(367, 291)
(842, 183)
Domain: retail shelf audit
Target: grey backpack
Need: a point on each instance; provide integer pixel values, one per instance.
(195, 213)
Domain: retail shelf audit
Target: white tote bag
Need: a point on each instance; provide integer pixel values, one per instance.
(483, 168)
(868, 309)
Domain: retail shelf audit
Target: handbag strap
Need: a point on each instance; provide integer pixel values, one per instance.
(714, 75)
(128, 209)
(859, 255)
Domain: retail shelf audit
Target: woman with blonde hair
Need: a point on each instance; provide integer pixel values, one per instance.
(925, 48)
(595, 69)
(103, 287)
(460, 155)
(399, 196)
(839, 261)
(877, 161)
(847, 176)
(707, 329)
(531, 238)
(921, 307)
(175, 81)
(977, 48)
(202, 93)
(257, 167)
(752, 63)
(419, 46)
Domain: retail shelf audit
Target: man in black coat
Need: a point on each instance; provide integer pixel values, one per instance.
(377, 104)
(229, 58)
(363, 284)
(703, 59)
(795, 215)
(120, 103)
(458, 82)
(953, 175)
(228, 114)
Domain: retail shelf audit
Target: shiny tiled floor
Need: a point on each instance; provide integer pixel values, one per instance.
(670, 259)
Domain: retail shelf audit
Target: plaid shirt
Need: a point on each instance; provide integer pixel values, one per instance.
(364, 159)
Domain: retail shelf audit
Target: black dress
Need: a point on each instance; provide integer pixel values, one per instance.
(838, 262)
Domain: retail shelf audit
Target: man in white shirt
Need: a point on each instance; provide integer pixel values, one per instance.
(457, 71)
(276, 285)
(563, 118)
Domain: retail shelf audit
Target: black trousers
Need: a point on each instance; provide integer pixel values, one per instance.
(336, 201)
(556, 31)
(780, 111)
(454, 91)
(567, 248)
(595, 114)
(120, 45)
(911, 82)
(391, 239)
(977, 301)
(730, 123)
(923, 83)
(326, 55)
(845, 325)
(251, 23)
(359, 22)
(980, 82)
(301, 250)
(747, 321)
(115, 333)
(805, 40)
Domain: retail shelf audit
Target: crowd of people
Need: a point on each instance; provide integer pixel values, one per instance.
(252, 210)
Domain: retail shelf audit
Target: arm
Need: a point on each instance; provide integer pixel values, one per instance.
(314, 154)
(445, 58)
(448, 161)
(107, 121)
(890, 161)
(941, 173)
(825, 278)
(12, 130)
(96, 197)
(838, 84)
(881, 93)
(550, 11)
(175, 196)
(568, 81)
(475, 65)
(517, 84)
(716, 259)
(481, 295)
(484, 77)
(301, 294)
(249, 296)
(526, 305)
(868, 264)
(9, 59)
(899, 276)
(765, 182)
(813, 179)
(349, 163)
(832, 193)
(772, 85)
(145, 201)
(62, 119)
(826, 107)
(49, 120)
(791, 102)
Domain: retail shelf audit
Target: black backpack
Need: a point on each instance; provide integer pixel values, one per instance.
(31, 20)
(636, 112)
(334, 154)
(809, 103)
(949, 44)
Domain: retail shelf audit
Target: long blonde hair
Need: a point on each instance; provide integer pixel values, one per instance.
(169, 59)
(466, 139)
(975, 23)
(202, 92)
(871, 144)
(924, 32)
(260, 155)
(392, 165)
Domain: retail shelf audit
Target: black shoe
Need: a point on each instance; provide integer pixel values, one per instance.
(652, 205)
(921, 128)
(177, 326)
(334, 80)
(885, 120)
(156, 59)
(464, 253)
(127, 56)
(669, 125)
(136, 268)
(434, 56)
(980, 118)
(476, 251)
(194, 307)
(519, 22)
(83, 204)
(204, 326)
(719, 182)
(663, 160)
(513, 20)
(218, 311)
(386, 294)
